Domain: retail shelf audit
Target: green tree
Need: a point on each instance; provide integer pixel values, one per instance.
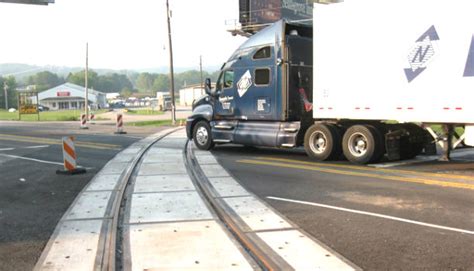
(78, 78)
(161, 83)
(144, 82)
(126, 93)
(11, 92)
(152, 82)
(113, 83)
(188, 78)
(45, 80)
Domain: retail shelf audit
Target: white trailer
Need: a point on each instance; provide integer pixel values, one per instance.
(380, 62)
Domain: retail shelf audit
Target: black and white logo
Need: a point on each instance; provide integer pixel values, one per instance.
(422, 53)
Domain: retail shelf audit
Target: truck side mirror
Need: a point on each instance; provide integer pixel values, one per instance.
(208, 87)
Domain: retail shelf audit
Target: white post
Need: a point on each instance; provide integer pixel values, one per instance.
(86, 82)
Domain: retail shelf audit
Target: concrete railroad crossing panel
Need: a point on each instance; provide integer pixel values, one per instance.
(75, 247)
(90, 205)
(104, 182)
(163, 183)
(195, 245)
(169, 206)
(170, 226)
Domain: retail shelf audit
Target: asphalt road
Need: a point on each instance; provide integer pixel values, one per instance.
(32, 196)
(416, 216)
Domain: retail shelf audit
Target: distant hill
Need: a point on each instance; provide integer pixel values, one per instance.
(23, 71)
(177, 69)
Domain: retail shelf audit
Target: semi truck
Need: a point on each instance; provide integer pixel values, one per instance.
(366, 81)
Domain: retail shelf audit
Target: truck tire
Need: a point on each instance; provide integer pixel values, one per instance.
(323, 142)
(363, 144)
(202, 135)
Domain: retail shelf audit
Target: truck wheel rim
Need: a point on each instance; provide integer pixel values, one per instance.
(202, 136)
(318, 142)
(357, 144)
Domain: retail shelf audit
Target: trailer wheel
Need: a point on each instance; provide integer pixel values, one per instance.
(323, 142)
(202, 135)
(363, 144)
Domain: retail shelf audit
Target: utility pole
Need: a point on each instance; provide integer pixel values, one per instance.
(5, 88)
(200, 68)
(173, 107)
(86, 103)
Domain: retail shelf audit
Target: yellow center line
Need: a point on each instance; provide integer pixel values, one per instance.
(91, 145)
(362, 168)
(360, 174)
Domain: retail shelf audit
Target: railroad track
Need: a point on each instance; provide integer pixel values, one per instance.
(167, 211)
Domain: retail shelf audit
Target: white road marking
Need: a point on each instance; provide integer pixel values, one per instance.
(416, 160)
(32, 159)
(38, 160)
(37, 147)
(29, 147)
(374, 215)
(133, 137)
(22, 180)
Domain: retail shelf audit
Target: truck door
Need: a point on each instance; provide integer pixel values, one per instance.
(256, 87)
(225, 87)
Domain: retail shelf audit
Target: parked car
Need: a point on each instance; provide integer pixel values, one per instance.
(42, 108)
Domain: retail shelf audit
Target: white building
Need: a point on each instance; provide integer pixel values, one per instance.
(70, 96)
(189, 94)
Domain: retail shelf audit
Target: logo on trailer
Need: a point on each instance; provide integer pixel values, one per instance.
(422, 54)
(469, 71)
(244, 83)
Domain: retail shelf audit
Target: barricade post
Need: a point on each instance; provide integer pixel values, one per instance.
(84, 122)
(70, 158)
(120, 124)
(92, 118)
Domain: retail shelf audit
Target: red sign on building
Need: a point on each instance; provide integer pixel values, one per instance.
(63, 94)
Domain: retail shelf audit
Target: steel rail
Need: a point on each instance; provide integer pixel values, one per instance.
(109, 259)
(203, 185)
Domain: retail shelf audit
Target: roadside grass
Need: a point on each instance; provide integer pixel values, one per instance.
(436, 128)
(439, 130)
(63, 115)
(154, 123)
(144, 112)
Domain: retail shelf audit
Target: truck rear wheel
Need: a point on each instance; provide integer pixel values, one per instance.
(363, 144)
(202, 135)
(323, 142)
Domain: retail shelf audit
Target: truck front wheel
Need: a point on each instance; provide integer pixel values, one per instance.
(323, 142)
(363, 144)
(202, 135)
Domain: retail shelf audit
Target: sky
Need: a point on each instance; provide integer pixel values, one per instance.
(121, 34)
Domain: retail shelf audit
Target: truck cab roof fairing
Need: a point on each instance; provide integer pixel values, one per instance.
(267, 36)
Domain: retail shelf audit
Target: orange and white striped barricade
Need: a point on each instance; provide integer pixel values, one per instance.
(92, 118)
(70, 158)
(120, 124)
(84, 122)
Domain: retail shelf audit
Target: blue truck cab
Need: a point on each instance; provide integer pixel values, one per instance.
(263, 93)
